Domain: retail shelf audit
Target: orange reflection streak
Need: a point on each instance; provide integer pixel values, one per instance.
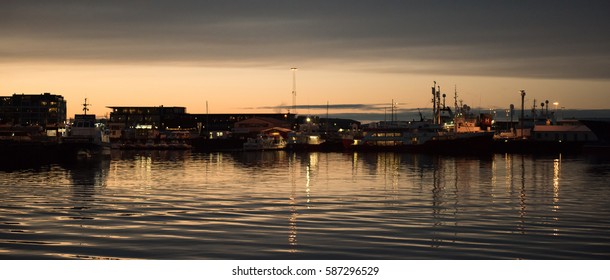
(292, 220)
(437, 205)
(556, 176)
(508, 165)
(522, 198)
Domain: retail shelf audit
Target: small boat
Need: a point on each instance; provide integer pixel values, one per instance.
(85, 138)
(308, 138)
(265, 142)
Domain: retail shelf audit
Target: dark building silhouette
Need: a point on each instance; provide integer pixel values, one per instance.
(161, 118)
(329, 125)
(45, 110)
(257, 124)
(176, 117)
(158, 117)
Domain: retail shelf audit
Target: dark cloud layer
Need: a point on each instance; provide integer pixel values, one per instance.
(551, 39)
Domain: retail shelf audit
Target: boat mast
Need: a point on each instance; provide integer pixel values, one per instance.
(534, 111)
(392, 116)
(438, 105)
(207, 121)
(512, 126)
(327, 120)
(85, 109)
(434, 101)
(455, 100)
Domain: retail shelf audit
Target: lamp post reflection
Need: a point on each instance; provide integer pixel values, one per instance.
(522, 198)
(292, 220)
(86, 178)
(556, 177)
(437, 206)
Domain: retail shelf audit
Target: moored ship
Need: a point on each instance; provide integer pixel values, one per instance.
(307, 138)
(454, 132)
(423, 136)
(541, 132)
(85, 137)
(264, 142)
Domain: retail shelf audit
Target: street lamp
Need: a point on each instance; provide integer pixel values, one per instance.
(512, 110)
(294, 89)
(555, 117)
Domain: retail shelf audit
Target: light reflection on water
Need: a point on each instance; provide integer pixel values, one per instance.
(256, 205)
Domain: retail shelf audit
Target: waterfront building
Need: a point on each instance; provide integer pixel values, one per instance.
(566, 131)
(256, 125)
(168, 118)
(45, 110)
(226, 122)
(336, 124)
(155, 117)
(136, 122)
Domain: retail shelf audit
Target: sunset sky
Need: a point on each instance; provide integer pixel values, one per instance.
(353, 55)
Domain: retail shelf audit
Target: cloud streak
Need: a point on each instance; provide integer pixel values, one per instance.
(329, 106)
(547, 39)
(369, 112)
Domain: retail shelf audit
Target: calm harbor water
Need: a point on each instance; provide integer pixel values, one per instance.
(282, 205)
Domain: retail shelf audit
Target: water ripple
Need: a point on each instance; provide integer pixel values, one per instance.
(278, 205)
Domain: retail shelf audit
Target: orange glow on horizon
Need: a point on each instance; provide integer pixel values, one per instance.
(256, 90)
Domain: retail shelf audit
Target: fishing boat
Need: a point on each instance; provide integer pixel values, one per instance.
(454, 132)
(423, 136)
(307, 138)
